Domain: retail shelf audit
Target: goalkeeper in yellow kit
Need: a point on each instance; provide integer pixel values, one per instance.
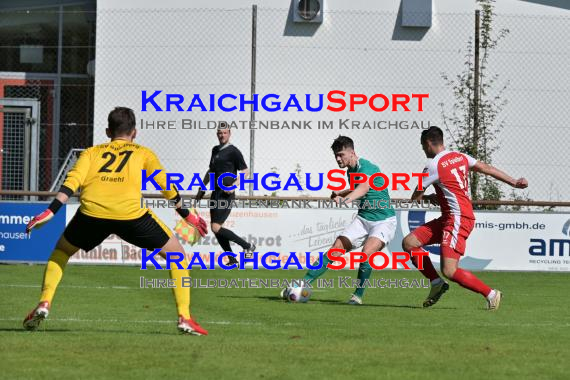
(110, 177)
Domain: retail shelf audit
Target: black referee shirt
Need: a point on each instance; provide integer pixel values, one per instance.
(226, 160)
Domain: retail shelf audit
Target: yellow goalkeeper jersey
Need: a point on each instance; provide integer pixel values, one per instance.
(110, 178)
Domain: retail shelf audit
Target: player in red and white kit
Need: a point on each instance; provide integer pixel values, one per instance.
(448, 172)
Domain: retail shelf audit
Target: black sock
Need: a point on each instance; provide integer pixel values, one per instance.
(229, 235)
(224, 243)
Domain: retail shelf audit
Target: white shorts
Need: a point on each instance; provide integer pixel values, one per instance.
(360, 229)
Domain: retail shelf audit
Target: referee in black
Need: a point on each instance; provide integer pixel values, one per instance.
(226, 158)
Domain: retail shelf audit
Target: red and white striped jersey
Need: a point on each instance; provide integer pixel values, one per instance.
(448, 173)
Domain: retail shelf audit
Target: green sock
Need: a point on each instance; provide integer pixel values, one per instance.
(313, 274)
(364, 273)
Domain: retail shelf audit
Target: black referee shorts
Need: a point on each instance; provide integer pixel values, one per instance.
(87, 232)
(219, 215)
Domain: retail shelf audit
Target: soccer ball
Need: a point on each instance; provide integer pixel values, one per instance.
(298, 294)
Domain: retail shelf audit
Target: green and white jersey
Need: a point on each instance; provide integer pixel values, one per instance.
(379, 199)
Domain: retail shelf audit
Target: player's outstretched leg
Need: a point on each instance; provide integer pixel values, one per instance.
(469, 281)
(52, 276)
(438, 285)
(340, 243)
(311, 275)
(186, 324)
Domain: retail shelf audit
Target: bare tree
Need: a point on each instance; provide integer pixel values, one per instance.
(477, 136)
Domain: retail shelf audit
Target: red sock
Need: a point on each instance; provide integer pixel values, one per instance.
(469, 281)
(428, 271)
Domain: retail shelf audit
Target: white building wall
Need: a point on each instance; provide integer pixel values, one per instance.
(203, 47)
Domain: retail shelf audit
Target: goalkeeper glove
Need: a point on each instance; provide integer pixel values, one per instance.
(39, 220)
(192, 217)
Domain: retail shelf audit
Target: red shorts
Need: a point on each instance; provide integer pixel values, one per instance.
(449, 231)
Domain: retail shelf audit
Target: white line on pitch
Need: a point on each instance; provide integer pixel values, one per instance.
(470, 324)
(143, 321)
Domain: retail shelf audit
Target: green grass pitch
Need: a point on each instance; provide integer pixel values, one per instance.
(102, 325)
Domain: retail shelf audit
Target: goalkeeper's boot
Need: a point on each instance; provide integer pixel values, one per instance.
(355, 300)
(494, 303)
(284, 293)
(190, 326)
(32, 321)
(435, 293)
(248, 254)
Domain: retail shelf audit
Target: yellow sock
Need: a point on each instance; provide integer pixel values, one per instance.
(53, 273)
(181, 295)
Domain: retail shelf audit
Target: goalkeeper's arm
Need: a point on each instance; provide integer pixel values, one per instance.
(152, 163)
(73, 181)
(60, 199)
(192, 218)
